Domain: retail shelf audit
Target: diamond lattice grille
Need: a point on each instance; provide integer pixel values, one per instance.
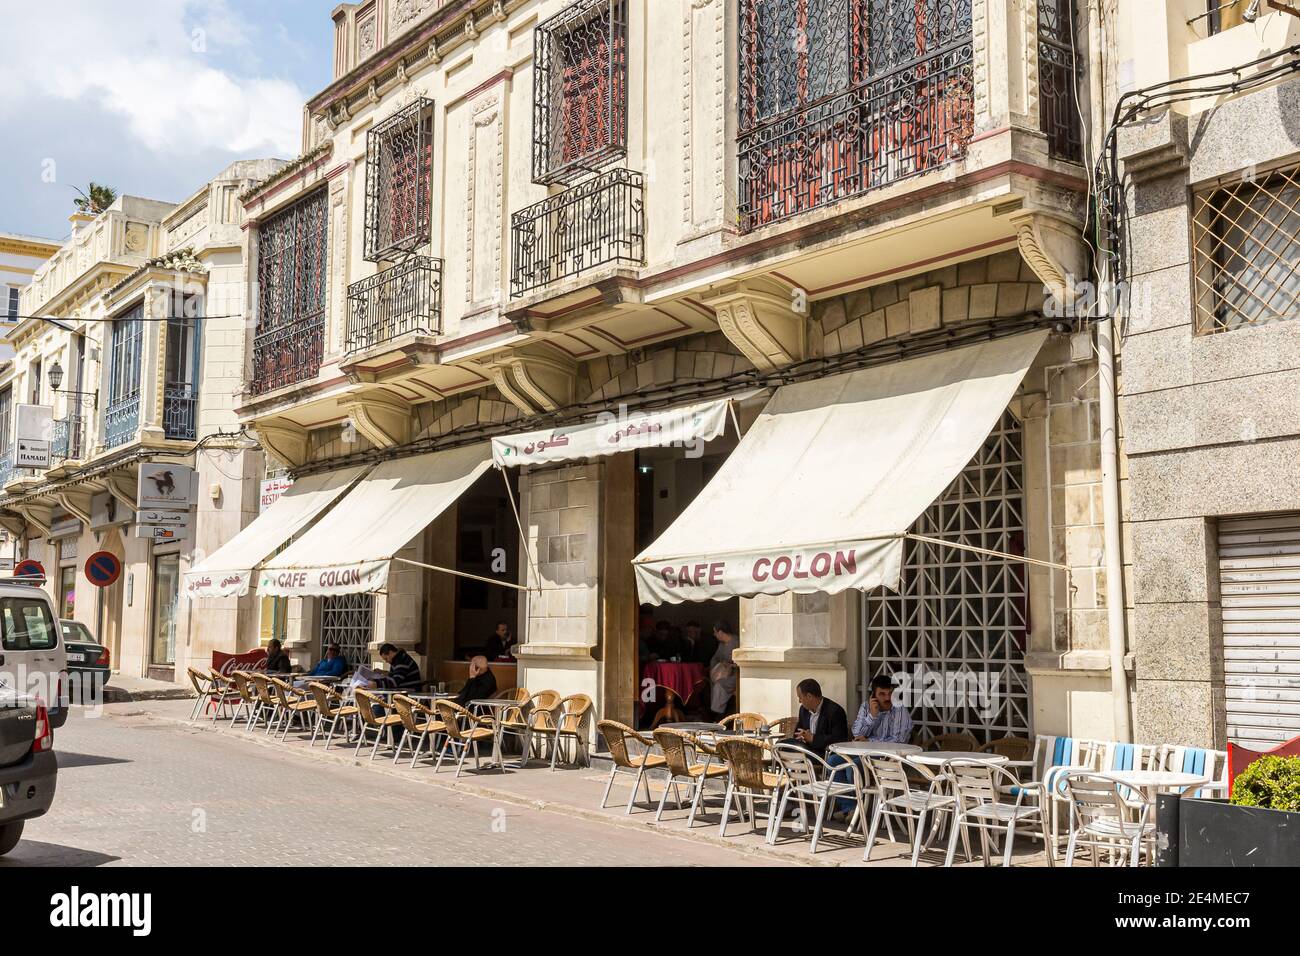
(348, 621)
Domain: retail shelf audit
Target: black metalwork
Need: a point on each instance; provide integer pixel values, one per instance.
(399, 182)
(404, 299)
(181, 378)
(6, 465)
(126, 373)
(838, 97)
(292, 276)
(1060, 70)
(579, 90)
(598, 221)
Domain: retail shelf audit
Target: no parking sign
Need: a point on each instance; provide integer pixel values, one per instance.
(103, 568)
(30, 568)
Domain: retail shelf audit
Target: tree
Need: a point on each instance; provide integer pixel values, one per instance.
(99, 199)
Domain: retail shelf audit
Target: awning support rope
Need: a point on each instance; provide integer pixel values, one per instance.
(523, 536)
(463, 574)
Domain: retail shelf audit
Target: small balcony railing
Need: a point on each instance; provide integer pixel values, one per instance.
(598, 221)
(68, 439)
(6, 465)
(911, 120)
(180, 405)
(288, 354)
(406, 299)
(121, 421)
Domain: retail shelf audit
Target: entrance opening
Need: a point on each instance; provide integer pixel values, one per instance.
(954, 634)
(675, 642)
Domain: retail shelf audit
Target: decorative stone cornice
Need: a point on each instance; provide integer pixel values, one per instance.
(383, 419)
(759, 316)
(536, 380)
(1054, 248)
(286, 171)
(285, 440)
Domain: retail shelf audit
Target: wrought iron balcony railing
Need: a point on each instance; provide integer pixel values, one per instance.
(406, 299)
(121, 421)
(288, 354)
(68, 439)
(598, 221)
(915, 118)
(180, 405)
(6, 465)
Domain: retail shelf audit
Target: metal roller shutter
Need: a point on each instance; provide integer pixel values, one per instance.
(1259, 574)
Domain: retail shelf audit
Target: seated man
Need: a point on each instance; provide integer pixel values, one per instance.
(277, 661)
(482, 683)
(333, 664)
(878, 717)
(403, 671)
(822, 722)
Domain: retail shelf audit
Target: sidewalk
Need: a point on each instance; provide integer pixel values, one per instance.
(122, 688)
(577, 792)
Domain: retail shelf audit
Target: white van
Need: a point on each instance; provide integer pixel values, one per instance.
(33, 660)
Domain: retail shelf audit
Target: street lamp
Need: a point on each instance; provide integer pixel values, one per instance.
(56, 379)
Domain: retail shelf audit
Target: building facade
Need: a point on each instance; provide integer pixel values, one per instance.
(513, 214)
(134, 341)
(1211, 244)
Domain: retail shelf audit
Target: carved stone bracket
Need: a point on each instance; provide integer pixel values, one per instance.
(1054, 248)
(286, 441)
(38, 516)
(77, 503)
(123, 488)
(12, 523)
(383, 419)
(536, 380)
(760, 317)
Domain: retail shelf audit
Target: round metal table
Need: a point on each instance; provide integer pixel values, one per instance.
(873, 748)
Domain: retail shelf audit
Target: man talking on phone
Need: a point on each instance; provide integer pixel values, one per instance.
(879, 718)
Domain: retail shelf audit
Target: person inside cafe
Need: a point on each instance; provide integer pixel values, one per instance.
(482, 683)
(723, 676)
(500, 643)
(333, 664)
(879, 718)
(668, 644)
(277, 661)
(822, 722)
(704, 644)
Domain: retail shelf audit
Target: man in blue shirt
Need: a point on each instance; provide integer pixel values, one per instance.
(333, 664)
(878, 717)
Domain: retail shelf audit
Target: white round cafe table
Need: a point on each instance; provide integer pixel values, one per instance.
(937, 758)
(875, 748)
(1151, 782)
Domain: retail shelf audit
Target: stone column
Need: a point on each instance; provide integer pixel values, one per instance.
(398, 610)
(788, 637)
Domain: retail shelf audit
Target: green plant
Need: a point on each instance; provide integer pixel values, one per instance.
(1269, 782)
(99, 199)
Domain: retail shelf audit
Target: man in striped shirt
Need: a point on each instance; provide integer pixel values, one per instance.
(403, 671)
(879, 718)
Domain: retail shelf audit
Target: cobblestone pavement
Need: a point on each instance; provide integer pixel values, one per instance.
(136, 791)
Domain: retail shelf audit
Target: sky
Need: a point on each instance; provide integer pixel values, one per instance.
(152, 97)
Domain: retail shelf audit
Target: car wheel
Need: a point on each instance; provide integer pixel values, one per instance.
(9, 836)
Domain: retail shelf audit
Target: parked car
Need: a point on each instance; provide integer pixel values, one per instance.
(28, 767)
(86, 656)
(33, 661)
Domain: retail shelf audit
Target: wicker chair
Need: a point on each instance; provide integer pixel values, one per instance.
(225, 695)
(1013, 748)
(330, 709)
(748, 761)
(617, 738)
(268, 705)
(748, 722)
(294, 704)
(371, 709)
(420, 724)
(514, 721)
(203, 687)
(570, 719)
(680, 751)
(962, 742)
(464, 732)
(248, 702)
(783, 728)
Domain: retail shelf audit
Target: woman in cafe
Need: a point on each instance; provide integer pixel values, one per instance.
(723, 676)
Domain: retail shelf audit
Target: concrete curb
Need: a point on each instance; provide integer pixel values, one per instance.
(119, 695)
(475, 789)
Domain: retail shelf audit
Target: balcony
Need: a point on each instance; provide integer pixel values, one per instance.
(68, 440)
(403, 300)
(180, 405)
(6, 466)
(288, 354)
(596, 222)
(915, 118)
(121, 420)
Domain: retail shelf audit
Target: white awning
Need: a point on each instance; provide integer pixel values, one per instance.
(819, 493)
(228, 571)
(349, 550)
(683, 426)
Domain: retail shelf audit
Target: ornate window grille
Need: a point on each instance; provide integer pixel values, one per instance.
(292, 277)
(579, 90)
(1060, 68)
(838, 97)
(181, 376)
(399, 182)
(598, 221)
(959, 613)
(126, 373)
(348, 621)
(1246, 234)
(406, 299)
(68, 438)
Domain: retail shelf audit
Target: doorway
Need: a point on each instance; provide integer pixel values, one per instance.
(166, 593)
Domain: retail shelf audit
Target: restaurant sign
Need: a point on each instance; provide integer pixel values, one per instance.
(217, 584)
(360, 578)
(862, 565)
(688, 427)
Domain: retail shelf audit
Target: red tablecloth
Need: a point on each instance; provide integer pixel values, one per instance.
(678, 676)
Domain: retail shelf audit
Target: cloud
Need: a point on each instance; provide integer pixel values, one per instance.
(182, 75)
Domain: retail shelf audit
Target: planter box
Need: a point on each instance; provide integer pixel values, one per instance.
(1215, 833)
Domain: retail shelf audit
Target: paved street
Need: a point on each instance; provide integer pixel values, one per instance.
(136, 791)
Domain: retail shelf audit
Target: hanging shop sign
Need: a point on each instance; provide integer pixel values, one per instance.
(161, 534)
(272, 489)
(33, 425)
(165, 487)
